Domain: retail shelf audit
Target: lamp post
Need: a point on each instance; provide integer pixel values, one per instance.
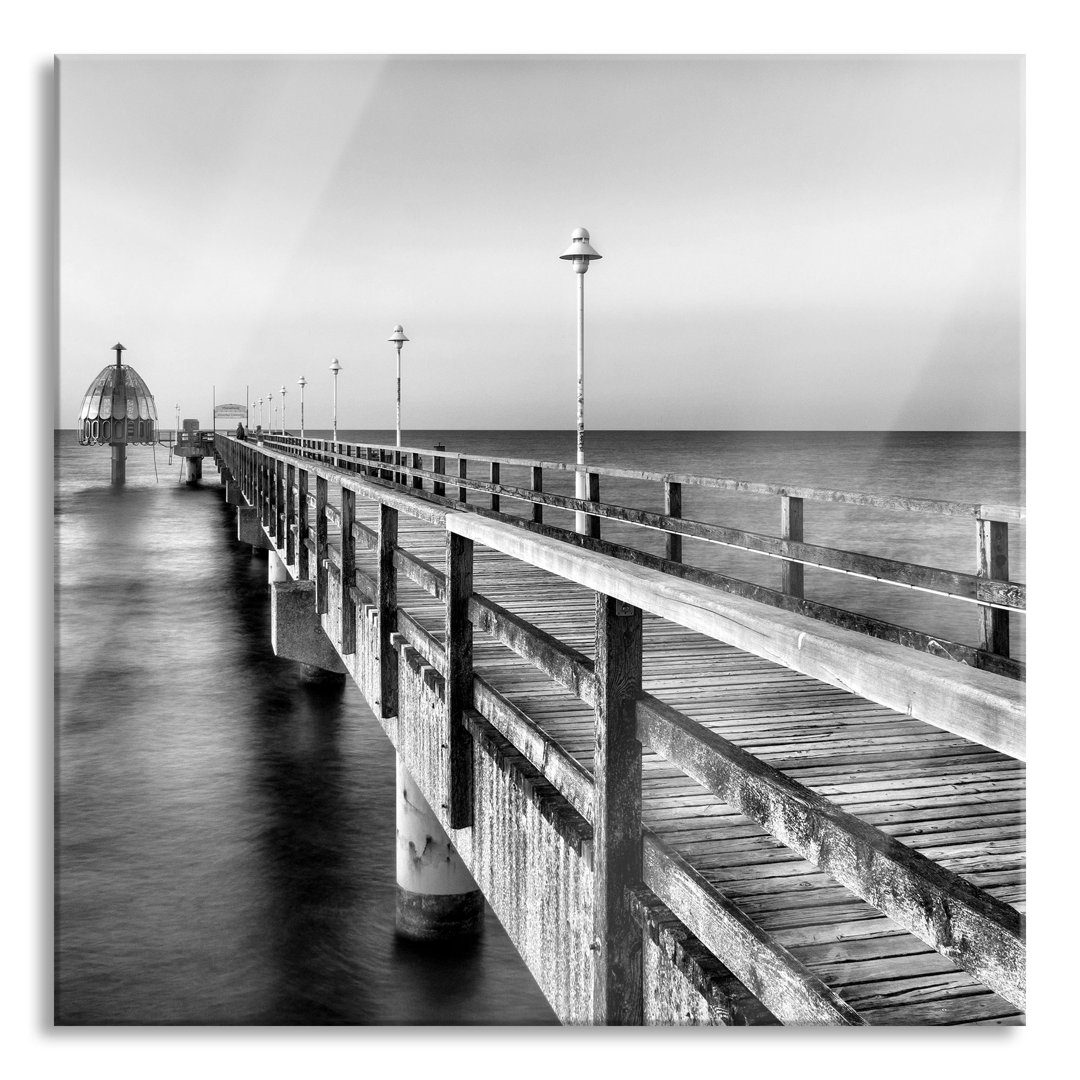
(301, 382)
(398, 338)
(260, 414)
(580, 253)
(335, 367)
(283, 409)
(270, 411)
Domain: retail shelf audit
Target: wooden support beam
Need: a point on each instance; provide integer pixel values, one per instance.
(302, 511)
(673, 508)
(592, 488)
(463, 472)
(348, 571)
(993, 564)
(438, 465)
(321, 605)
(459, 679)
(290, 514)
(791, 528)
(417, 481)
(493, 476)
(387, 605)
(537, 482)
(617, 989)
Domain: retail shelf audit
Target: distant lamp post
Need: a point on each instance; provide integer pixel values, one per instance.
(178, 421)
(260, 414)
(580, 253)
(301, 382)
(398, 338)
(335, 367)
(283, 409)
(270, 411)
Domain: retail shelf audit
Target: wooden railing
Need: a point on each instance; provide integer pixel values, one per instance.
(988, 588)
(969, 925)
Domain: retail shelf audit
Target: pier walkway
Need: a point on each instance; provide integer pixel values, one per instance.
(687, 798)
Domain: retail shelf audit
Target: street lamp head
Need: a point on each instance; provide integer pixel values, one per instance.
(398, 337)
(283, 389)
(580, 251)
(335, 365)
(301, 382)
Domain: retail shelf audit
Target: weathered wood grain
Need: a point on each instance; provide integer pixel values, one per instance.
(617, 813)
(977, 932)
(459, 679)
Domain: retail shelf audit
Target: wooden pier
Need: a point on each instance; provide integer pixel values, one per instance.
(688, 798)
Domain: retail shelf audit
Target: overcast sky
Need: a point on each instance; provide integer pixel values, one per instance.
(788, 242)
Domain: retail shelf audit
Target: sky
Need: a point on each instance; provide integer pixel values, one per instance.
(788, 242)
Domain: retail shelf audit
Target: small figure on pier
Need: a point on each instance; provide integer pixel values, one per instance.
(240, 432)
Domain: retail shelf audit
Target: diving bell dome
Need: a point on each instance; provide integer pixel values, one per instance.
(118, 408)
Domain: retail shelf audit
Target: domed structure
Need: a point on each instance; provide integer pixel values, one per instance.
(118, 408)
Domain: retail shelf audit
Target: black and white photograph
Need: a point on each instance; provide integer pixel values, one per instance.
(539, 540)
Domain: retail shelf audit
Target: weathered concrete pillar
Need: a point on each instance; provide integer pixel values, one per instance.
(248, 528)
(437, 898)
(194, 470)
(276, 570)
(296, 631)
(233, 495)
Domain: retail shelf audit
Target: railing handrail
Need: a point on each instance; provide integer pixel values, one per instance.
(1005, 512)
(989, 591)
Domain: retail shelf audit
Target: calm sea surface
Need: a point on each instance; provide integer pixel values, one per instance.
(225, 831)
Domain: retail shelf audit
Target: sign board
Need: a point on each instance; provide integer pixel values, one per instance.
(235, 412)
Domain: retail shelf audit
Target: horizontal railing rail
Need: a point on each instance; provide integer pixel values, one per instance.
(977, 931)
(988, 589)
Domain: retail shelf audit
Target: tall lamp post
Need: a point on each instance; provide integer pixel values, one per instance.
(335, 367)
(282, 409)
(301, 382)
(260, 414)
(398, 338)
(580, 253)
(270, 411)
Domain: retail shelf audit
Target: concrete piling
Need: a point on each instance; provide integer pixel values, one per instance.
(437, 898)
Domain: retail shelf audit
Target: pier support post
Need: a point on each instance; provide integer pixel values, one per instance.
(275, 567)
(617, 988)
(459, 679)
(248, 528)
(193, 471)
(296, 631)
(386, 599)
(119, 464)
(791, 528)
(437, 898)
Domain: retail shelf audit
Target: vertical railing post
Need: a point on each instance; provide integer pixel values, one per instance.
(438, 465)
(348, 570)
(281, 495)
(387, 603)
(593, 490)
(791, 528)
(673, 508)
(264, 498)
(537, 485)
(290, 514)
(459, 679)
(463, 473)
(993, 564)
(493, 477)
(617, 985)
(321, 605)
(417, 481)
(302, 525)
